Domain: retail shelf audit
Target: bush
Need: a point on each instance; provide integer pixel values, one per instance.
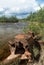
(37, 16)
(36, 27)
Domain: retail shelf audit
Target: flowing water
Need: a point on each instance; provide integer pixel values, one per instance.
(11, 29)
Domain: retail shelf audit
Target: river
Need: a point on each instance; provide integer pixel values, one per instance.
(11, 29)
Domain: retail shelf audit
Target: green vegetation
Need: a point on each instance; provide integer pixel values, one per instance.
(11, 19)
(37, 16)
(36, 27)
(36, 22)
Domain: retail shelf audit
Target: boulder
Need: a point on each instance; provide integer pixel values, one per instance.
(26, 45)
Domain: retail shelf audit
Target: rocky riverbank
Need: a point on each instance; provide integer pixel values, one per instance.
(26, 47)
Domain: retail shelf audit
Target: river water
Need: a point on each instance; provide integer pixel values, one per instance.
(11, 29)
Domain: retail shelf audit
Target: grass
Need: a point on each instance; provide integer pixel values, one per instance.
(36, 27)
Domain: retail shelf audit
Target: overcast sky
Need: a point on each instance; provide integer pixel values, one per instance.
(19, 6)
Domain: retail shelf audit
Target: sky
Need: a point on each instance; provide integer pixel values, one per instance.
(19, 7)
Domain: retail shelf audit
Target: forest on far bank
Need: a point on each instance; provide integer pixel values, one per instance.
(12, 19)
(37, 16)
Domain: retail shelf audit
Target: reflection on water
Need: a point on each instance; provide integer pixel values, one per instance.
(11, 29)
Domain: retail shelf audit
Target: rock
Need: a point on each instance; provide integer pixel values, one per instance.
(23, 38)
(26, 45)
(31, 33)
(4, 51)
(41, 42)
(26, 55)
(21, 45)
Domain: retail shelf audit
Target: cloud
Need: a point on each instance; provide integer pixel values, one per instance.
(1, 9)
(9, 7)
(42, 5)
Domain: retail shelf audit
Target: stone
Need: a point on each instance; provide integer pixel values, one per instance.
(25, 45)
(4, 51)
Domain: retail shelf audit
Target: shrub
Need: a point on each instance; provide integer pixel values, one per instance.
(36, 27)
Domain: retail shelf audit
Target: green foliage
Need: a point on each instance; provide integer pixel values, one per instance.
(37, 16)
(11, 19)
(36, 27)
